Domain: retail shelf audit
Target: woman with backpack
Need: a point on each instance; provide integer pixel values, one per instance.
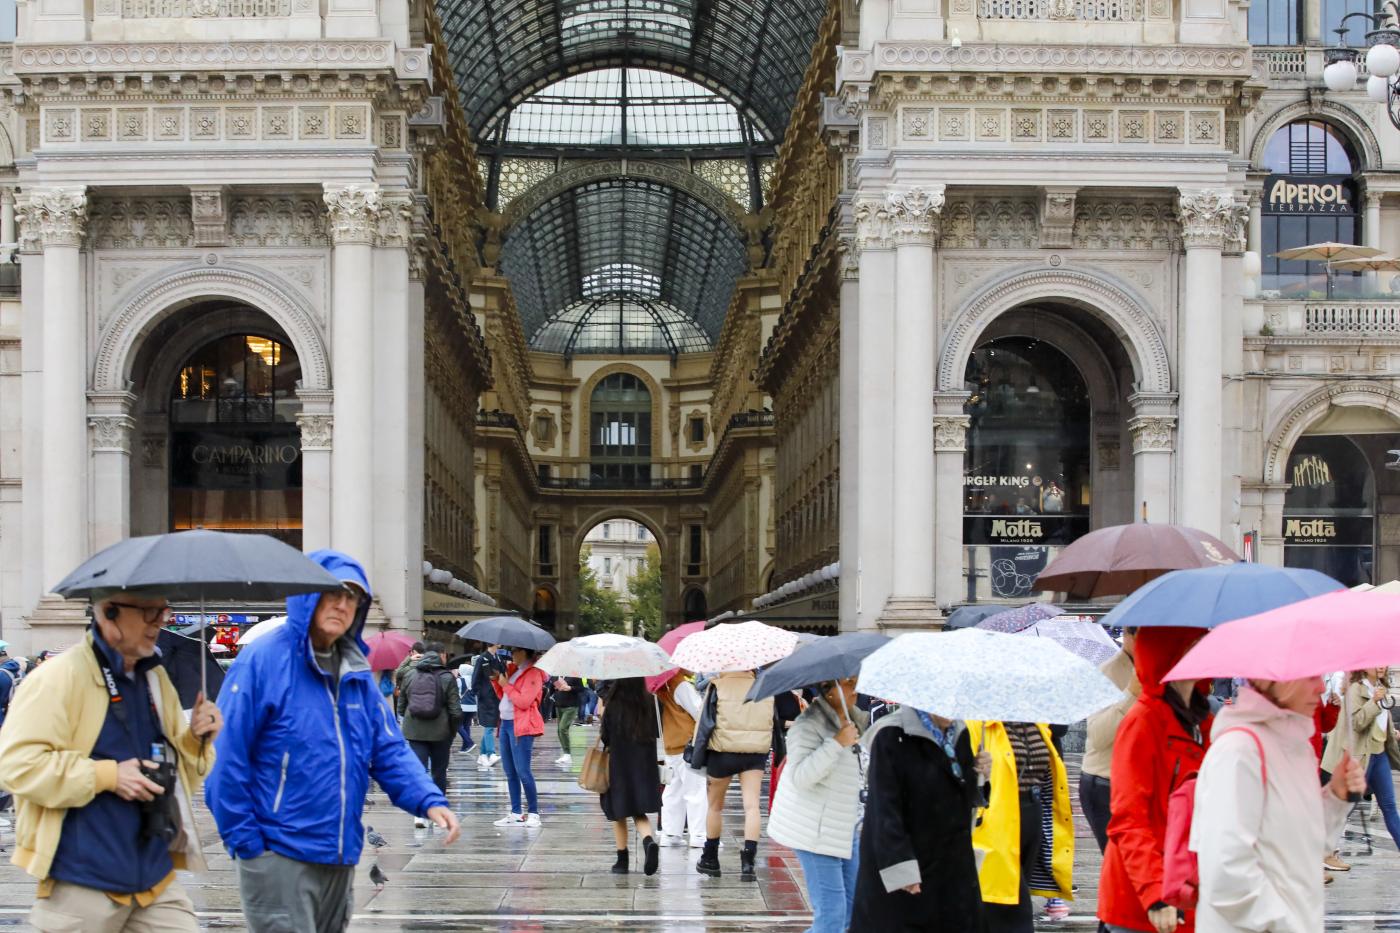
(1261, 823)
(634, 786)
(431, 708)
(519, 689)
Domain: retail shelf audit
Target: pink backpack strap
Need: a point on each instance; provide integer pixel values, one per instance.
(1263, 761)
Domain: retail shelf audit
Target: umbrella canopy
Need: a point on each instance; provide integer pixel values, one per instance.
(734, 646)
(1369, 264)
(1019, 619)
(1082, 637)
(968, 616)
(1340, 631)
(1210, 596)
(668, 642)
(195, 565)
(253, 633)
(605, 656)
(1327, 252)
(1116, 560)
(510, 631)
(180, 655)
(834, 658)
(388, 649)
(976, 674)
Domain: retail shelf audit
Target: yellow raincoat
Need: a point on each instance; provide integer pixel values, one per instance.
(997, 834)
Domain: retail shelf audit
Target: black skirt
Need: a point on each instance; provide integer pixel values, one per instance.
(634, 784)
(728, 764)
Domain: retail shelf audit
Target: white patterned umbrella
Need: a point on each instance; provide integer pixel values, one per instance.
(605, 656)
(734, 646)
(1084, 637)
(976, 674)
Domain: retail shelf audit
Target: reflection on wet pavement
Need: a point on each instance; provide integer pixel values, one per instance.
(556, 878)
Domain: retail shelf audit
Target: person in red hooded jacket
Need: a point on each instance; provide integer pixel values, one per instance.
(1160, 743)
(519, 690)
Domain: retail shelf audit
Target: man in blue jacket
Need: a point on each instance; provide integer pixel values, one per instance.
(305, 730)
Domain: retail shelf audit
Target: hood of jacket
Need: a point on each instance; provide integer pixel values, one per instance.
(430, 662)
(906, 718)
(302, 607)
(1251, 708)
(1158, 650)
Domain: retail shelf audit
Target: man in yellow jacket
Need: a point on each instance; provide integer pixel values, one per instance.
(102, 764)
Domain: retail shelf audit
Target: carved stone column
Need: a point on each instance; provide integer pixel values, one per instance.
(317, 433)
(352, 221)
(1153, 426)
(8, 234)
(57, 217)
(867, 419)
(111, 426)
(1208, 217)
(949, 452)
(914, 216)
(848, 525)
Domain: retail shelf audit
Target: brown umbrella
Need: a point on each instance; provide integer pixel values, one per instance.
(1116, 560)
(1328, 253)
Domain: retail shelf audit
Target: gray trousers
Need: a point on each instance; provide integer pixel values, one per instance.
(282, 895)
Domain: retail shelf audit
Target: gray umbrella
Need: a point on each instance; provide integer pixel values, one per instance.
(511, 631)
(968, 616)
(834, 658)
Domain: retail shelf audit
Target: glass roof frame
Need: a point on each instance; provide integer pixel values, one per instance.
(585, 325)
(559, 254)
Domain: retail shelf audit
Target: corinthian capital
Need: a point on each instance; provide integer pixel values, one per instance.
(54, 216)
(872, 223)
(914, 213)
(352, 213)
(1208, 216)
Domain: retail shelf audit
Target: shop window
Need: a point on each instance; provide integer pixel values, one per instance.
(620, 431)
(1310, 196)
(1274, 22)
(235, 449)
(1026, 479)
(1329, 509)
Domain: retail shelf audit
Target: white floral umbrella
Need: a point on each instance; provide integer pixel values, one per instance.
(734, 646)
(605, 656)
(976, 674)
(262, 628)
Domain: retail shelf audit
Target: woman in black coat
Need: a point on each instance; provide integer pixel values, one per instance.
(634, 783)
(917, 871)
(488, 705)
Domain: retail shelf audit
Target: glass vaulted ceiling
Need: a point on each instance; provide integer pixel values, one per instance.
(625, 265)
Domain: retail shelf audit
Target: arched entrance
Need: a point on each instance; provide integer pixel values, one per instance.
(620, 572)
(695, 605)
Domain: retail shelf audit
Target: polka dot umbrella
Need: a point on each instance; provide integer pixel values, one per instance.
(734, 646)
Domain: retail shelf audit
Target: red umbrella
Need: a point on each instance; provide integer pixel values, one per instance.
(1116, 560)
(668, 642)
(388, 649)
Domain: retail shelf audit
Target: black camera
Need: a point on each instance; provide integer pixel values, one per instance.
(160, 816)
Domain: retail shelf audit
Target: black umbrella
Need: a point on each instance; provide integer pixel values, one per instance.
(511, 631)
(834, 658)
(198, 566)
(969, 616)
(180, 654)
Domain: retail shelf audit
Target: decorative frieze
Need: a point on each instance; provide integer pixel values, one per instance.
(1056, 125)
(142, 223)
(1205, 62)
(201, 9)
(352, 213)
(291, 220)
(1117, 224)
(54, 216)
(180, 124)
(991, 223)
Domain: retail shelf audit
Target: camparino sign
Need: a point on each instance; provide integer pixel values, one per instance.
(1309, 194)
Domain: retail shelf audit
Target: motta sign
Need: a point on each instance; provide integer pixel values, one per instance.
(1337, 530)
(1309, 194)
(1019, 529)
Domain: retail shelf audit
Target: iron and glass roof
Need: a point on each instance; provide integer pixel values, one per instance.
(669, 257)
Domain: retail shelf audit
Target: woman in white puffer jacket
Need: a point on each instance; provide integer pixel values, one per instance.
(1260, 842)
(817, 806)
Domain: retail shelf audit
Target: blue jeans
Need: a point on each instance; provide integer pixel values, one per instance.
(831, 887)
(465, 731)
(488, 740)
(515, 760)
(1382, 785)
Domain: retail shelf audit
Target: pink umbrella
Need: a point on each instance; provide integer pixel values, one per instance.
(668, 642)
(388, 649)
(1340, 631)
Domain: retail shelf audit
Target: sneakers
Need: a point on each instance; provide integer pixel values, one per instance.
(564, 759)
(532, 821)
(495, 759)
(1335, 863)
(511, 819)
(667, 842)
(483, 763)
(1056, 909)
(421, 823)
(1328, 878)
(697, 842)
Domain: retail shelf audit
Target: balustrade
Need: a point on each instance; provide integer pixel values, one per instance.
(1097, 11)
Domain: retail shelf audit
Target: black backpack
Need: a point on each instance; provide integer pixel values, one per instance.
(425, 695)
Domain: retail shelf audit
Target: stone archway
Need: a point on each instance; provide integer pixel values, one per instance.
(1356, 127)
(1113, 302)
(1309, 406)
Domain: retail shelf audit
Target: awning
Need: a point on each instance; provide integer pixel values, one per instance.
(455, 611)
(816, 613)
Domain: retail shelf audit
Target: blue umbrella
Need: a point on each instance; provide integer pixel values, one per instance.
(1210, 596)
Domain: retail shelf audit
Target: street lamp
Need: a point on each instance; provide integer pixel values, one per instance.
(1382, 59)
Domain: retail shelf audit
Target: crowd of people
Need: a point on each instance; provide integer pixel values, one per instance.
(900, 819)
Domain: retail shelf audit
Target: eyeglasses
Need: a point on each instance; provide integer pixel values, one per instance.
(151, 615)
(347, 592)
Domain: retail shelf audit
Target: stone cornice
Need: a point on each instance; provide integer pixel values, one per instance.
(232, 56)
(1211, 62)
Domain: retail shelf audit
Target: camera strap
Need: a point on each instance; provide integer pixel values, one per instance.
(118, 705)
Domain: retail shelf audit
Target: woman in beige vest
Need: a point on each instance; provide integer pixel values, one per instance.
(738, 744)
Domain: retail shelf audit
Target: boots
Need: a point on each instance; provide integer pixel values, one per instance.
(709, 859)
(651, 855)
(620, 866)
(746, 860)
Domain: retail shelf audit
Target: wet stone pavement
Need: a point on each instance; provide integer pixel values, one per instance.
(556, 878)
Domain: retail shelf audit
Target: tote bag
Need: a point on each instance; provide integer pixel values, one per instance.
(593, 776)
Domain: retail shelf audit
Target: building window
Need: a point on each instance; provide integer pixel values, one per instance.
(544, 472)
(697, 472)
(620, 431)
(546, 550)
(235, 449)
(1329, 509)
(1026, 470)
(607, 566)
(641, 532)
(697, 430)
(694, 539)
(1310, 196)
(1274, 22)
(1334, 10)
(607, 530)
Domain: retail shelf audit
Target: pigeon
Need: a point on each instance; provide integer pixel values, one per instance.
(374, 839)
(378, 877)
